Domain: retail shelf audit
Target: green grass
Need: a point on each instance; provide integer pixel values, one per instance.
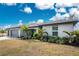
(34, 48)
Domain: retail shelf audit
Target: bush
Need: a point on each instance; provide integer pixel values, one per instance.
(58, 40)
(45, 36)
(53, 39)
(73, 37)
(35, 35)
(64, 40)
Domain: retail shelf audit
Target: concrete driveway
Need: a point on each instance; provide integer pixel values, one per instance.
(8, 38)
(4, 38)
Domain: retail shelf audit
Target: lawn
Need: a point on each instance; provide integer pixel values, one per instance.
(34, 48)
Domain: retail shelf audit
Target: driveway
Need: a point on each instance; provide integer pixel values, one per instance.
(7, 38)
(4, 38)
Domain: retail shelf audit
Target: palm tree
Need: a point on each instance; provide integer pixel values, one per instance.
(27, 31)
(24, 28)
(74, 36)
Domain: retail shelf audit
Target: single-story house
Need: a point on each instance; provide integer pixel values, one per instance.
(54, 28)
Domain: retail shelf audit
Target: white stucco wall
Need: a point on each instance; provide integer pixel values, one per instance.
(64, 27)
(61, 28)
(48, 29)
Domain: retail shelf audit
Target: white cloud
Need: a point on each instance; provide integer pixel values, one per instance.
(52, 19)
(40, 21)
(7, 26)
(66, 15)
(43, 6)
(73, 11)
(62, 10)
(9, 4)
(58, 16)
(67, 3)
(27, 10)
(37, 22)
(58, 5)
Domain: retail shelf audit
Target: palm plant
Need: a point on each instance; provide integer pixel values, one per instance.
(26, 30)
(73, 36)
(39, 34)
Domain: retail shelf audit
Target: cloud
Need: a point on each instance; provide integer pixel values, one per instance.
(61, 10)
(58, 16)
(37, 22)
(52, 19)
(43, 6)
(58, 5)
(73, 10)
(27, 10)
(7, 26)
(40, 21)
(66, 15)
(67, 3)
(9, 4)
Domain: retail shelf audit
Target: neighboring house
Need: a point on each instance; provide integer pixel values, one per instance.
(54, 28)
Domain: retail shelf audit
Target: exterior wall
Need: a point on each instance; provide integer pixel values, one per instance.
(64, 27)
(48, 29)
(61, 28)
(16, 32)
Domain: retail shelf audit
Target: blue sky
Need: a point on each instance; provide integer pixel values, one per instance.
(12, 13)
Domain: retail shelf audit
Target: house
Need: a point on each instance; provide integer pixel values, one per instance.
(54, 28)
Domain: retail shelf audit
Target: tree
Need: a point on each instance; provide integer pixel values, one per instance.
(2, 31)
(27, 31)
(24, 28)
(41, 35)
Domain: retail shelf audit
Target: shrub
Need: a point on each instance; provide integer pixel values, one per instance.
(58, 40)
(73, 37)
(45, 36)
(64, 40)
(53, 39)
(35, 35)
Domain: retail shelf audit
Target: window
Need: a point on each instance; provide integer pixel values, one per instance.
(55, 33)
(55, 30)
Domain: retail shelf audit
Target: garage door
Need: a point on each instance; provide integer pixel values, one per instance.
(14, 33)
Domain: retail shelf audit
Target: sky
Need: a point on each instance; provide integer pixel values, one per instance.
(27, 12)
(13, 13)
